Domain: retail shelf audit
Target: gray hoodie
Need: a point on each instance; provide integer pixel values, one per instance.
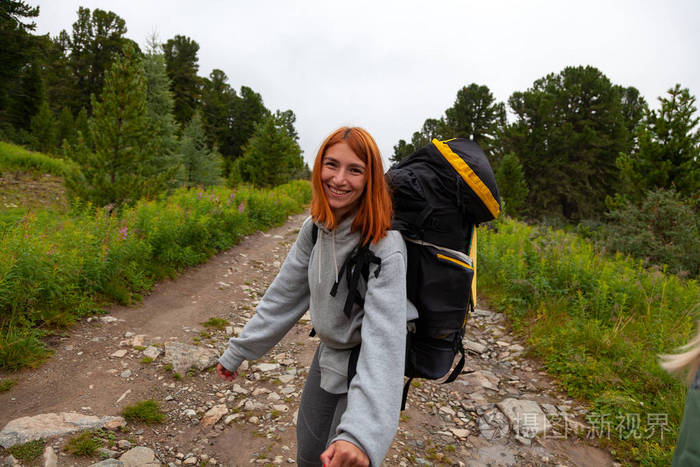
(304, 282)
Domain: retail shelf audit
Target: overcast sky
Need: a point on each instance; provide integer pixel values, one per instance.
(389, 65)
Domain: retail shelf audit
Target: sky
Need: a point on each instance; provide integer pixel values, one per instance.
(389, 65)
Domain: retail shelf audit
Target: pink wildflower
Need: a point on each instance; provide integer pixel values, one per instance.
(241, 207)
(124, 232)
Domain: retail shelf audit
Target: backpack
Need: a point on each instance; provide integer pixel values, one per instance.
(440, 193)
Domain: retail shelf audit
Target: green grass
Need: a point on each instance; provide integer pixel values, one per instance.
(598, 323)
(84, 445)
(27, 452)
(147, 411)
(13, 157)
(216, 323)
(55, 269)
(7, 384)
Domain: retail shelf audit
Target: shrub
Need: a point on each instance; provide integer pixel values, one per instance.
(55, 269)
(27, 452)
(147, 411)
(85, 445)
(216, 323)
(663, 230)
(598, 323)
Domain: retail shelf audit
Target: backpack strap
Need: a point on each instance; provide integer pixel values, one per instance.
(356, 264)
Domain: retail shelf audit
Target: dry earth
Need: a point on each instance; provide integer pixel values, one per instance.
(99, 368)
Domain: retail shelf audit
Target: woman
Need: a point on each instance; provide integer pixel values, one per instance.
(341, 422)
(687, 451)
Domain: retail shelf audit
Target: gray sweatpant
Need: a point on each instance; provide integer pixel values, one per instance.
(319, 416)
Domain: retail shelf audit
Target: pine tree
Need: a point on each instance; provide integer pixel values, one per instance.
(159, 105)
(272, 156)
(43, 128)
(116, 171)
(669, 145)
(200, 165)
(511, 184)
(66, 128)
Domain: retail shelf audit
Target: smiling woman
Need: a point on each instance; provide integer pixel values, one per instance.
(356, 375)
(348, 166)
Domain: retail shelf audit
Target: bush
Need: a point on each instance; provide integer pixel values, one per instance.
(664, 230)
(27, 452)
(598, 323)
(147, 411)
(55, 269)
(85, 445)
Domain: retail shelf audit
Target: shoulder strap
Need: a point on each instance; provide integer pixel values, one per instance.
(356, 264)
(314, 233)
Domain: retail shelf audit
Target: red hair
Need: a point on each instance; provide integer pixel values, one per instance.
(373, 218)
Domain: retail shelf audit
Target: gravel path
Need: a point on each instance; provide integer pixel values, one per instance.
(505, 412)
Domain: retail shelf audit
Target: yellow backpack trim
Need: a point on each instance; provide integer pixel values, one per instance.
(470, 177)
(456, 261)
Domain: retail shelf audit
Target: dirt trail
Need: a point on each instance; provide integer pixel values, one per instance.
(456, 424)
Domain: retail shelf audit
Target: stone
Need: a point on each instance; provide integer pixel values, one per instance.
(479, 379)
(138, 340)
(474, 346)
(50, 458)
(124, 444)
(284, 379)
(460, 433)
(549, 409)
(231, 418)
(10, 461)
(239, 390)
(107, 453)
(108, 319)
(25, 429)
(525, 416)
(126, 374)
(191, 460)
(152, 352)
(185, 356)
(280, 408)
(108, 463)
(119, 353)
(213, 415)
(253, 405)
(447, 411)
(267, 366)
(139, 456)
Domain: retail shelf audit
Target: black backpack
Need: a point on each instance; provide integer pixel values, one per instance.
(440, 193)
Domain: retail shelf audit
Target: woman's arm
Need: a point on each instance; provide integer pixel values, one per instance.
(284, 303)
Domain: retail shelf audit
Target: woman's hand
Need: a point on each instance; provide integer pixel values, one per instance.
(225, 374)
(344, 454)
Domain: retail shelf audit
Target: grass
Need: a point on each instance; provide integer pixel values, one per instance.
(27, 452)
(147, 411)
(84, 445)
(147, 360)
(6, 384)
(55, 269)
(13, 157)
(216, 323)
(598, 323)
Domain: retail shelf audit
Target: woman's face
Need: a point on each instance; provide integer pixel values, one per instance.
(344, 177)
